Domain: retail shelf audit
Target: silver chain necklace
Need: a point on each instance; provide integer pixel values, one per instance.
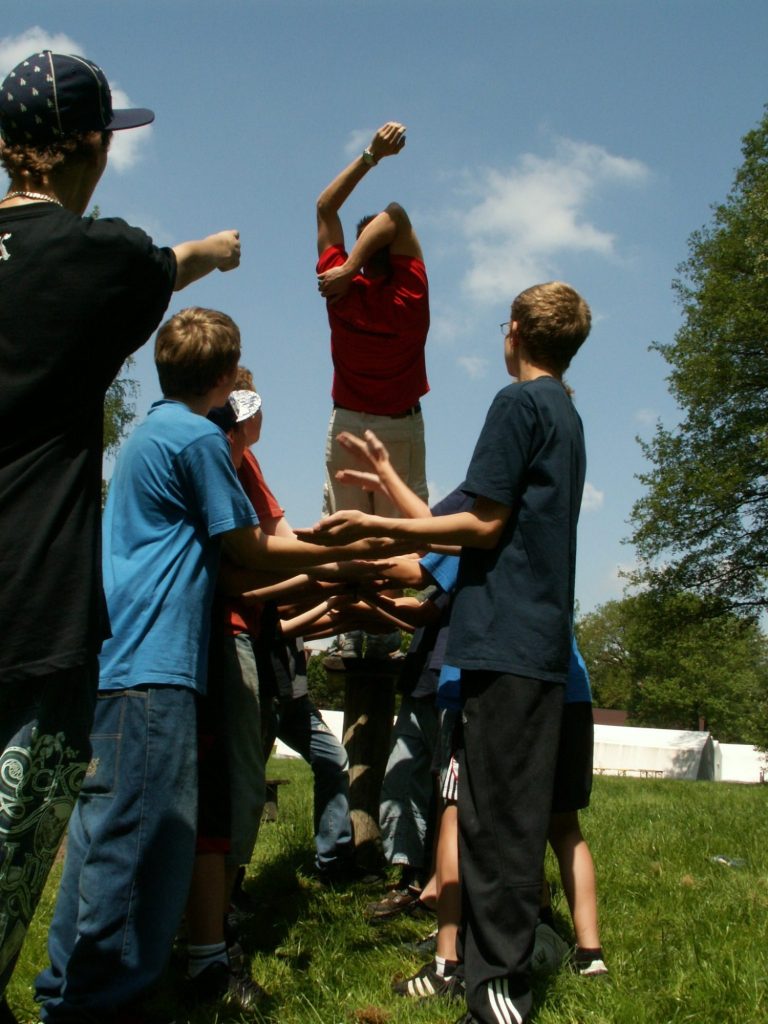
(31, 195)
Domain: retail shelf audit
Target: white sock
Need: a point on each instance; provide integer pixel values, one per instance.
(445, 968)
(199, 957)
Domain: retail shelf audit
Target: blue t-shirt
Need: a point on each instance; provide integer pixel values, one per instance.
(173, 492)
(577, 688)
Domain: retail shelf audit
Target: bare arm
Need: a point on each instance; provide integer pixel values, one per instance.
(390, 228)
(387, 141)
(379, 474)
(480, 527)
(250, 548)
(196, 259)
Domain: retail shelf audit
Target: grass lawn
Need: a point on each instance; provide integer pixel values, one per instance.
(686, 939)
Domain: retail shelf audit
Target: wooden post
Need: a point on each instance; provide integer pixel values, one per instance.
(369, 707)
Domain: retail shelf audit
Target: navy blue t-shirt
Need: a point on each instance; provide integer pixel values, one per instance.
(512, 611)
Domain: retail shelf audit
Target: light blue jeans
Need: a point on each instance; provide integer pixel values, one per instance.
(129, 856)
(408, 788)
(300, 725)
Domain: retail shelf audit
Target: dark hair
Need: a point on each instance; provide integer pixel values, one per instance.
(553, 323)
(194, 349)
(224, 417)
(29, 160)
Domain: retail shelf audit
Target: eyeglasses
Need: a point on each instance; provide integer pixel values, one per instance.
(504, 328)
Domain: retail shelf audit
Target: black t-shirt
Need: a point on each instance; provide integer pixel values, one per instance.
(513, 606)
(77, 296)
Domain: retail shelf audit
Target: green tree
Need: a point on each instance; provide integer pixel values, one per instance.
(119, 414)
(119, 408)
(671, 663)
(702, 524)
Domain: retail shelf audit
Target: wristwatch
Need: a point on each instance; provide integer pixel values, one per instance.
(369, 158)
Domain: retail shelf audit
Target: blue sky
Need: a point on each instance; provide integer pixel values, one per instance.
(582, 140)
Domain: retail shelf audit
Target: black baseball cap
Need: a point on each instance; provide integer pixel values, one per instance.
(50, 95)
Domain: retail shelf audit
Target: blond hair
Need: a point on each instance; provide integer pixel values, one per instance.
(244, 380)
(194, 350)
(553, 322)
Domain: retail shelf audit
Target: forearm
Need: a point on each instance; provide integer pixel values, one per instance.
(381, 231)
(249, 548)
(197, 258)
(333, 196)
(409, 504)
(465, 529)
(290, 587)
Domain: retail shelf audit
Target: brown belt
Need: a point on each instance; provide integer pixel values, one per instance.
(390, 415)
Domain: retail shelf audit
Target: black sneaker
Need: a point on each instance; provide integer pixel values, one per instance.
(424, 947)
(219, 982)
(427, 982)
(589, 968)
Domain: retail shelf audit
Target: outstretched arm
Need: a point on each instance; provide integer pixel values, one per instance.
(250, 548)
(387, 141)
(196, 259)
(480, 527)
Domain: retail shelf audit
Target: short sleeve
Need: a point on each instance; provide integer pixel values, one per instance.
(132, 277)
(212, 485)
(255, 486)
(443, 568)
(502, 453)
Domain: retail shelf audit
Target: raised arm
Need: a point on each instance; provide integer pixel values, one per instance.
(379, 474)
(390, 228)
(387, 141)
(196, 259)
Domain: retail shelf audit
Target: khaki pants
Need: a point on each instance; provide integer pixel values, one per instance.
(404, 438)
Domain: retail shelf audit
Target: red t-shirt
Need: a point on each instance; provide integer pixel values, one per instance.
(378, 333)
(237, 616)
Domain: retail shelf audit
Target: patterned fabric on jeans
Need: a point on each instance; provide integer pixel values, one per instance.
(45, 751)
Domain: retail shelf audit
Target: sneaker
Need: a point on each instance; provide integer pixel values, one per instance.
(590, 968)
(219, 982)
(427, 982)
(424, 947)
(397, 901)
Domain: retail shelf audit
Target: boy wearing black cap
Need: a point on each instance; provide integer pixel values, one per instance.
(77, 296)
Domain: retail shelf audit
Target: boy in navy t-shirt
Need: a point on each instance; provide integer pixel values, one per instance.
(510, 636)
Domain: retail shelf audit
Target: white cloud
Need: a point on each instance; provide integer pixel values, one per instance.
(475, 367)
(126, 146)
(592, 499)
(646, 417)
(436, 492)
(525, 217)
(357, 140)
(14, 49)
